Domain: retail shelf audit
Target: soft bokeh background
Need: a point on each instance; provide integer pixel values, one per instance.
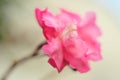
(20, 34)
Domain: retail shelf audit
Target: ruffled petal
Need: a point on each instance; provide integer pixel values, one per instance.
(89, 18)
(75, 47)
(75, 50)
(80, 64)
(94, 50)
(45, 18)
(75, 18)
(51, 46)
(38, 14)
(88, 27)
(57, 61)
(48, 22)
(89, 32)
(54, 50)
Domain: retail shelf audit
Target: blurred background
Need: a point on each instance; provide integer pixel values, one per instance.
(20, 34)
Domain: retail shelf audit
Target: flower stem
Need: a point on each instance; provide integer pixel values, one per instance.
(15, 63)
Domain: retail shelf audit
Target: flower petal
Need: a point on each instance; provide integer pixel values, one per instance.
(94, 51)
(75, 18)
(38, 14)
(48, 22)
(45, 18)
(51, 46)
(54, 50)
(89, 33)
(75, 50)
(75, 46)
(88, 27)
(80, 64)
(57, 61)
(89, 18)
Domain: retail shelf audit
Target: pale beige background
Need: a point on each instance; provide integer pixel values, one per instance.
(25, 35)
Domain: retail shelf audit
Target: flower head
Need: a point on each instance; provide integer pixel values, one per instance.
(71, 40)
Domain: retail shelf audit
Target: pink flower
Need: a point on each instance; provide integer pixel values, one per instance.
(71, 40)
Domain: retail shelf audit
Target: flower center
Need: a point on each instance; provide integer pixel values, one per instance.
(69, 31)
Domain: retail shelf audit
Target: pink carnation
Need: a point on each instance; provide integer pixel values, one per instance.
(71, 40)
